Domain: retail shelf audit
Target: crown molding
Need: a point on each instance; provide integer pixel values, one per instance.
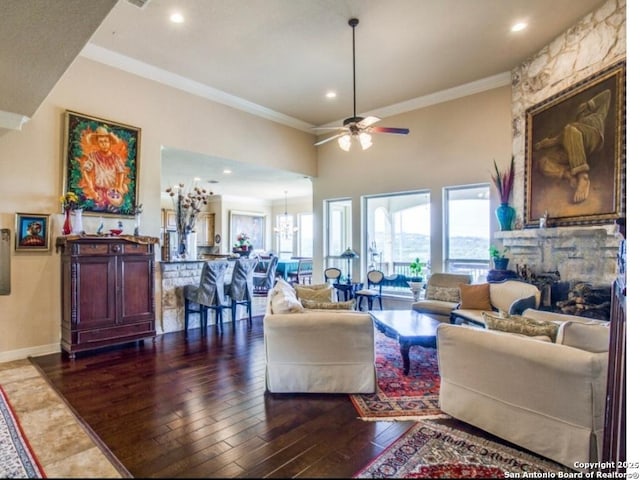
(12, 121)
(142, 69)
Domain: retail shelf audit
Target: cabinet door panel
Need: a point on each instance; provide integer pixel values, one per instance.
(95, 280)
(136, 288)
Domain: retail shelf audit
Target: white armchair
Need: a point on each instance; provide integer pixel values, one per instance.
(546, 397)
(319, 351)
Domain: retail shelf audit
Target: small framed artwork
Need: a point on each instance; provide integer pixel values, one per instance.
(575, 156)
(249, 224)
(101, 164)
(33, 232)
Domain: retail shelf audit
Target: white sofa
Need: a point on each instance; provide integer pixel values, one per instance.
(510, 296)
(319, 351)
(543, 396)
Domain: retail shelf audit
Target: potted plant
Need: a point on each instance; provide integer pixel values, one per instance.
(500, 261)
(416, 280)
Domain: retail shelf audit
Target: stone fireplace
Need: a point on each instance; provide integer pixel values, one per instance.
(561, 259)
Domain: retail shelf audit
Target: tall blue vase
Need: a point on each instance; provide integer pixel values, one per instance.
(506, 215)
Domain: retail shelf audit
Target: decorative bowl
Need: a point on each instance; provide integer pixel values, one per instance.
(116, 231)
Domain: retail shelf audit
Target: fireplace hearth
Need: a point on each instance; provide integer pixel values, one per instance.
(573, 267)
(583, 299)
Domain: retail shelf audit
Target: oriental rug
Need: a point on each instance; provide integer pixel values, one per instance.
(17, 459)
(398, 396)
(432, 450)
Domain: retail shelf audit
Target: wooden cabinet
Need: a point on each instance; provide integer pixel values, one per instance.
(107, 291)
(205, 226)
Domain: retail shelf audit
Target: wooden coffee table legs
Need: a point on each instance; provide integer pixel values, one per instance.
(407, 343)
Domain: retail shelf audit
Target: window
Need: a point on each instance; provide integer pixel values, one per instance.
(305, 235)
(398, 230)
(338, 218)
(467, 230)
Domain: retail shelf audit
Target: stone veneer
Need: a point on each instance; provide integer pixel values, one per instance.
(174, 276)
(587, 254)
(591, 45)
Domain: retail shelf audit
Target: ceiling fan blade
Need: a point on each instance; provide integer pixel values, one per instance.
(399, 131)
(365, 122)
(328, 139)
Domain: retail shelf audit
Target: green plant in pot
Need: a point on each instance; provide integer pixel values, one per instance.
(500, 261)
(415, 269)
(416, 279)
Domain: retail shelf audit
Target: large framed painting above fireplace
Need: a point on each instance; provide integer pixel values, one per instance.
(575, 158)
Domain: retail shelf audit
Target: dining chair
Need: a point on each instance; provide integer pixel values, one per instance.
(373, 290)
(207, 295)
(303, 274)
(264, 281)
(332, 275)
(240, 289)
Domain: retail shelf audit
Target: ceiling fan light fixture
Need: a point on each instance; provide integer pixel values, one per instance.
(345, 142)
(365, 140)
(357, 126)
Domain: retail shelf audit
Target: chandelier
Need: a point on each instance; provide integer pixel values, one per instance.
(285, 227)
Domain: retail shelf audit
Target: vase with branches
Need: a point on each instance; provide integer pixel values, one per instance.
(503, 182)
(187, 205)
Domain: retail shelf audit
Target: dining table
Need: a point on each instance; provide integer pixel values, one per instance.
(285, 267)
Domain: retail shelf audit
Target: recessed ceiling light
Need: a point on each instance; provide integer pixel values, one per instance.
(177, 17)
(226, 171)
(518, 27)
(330, 94)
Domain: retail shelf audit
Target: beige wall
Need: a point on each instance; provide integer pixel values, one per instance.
(31, 175)
(452, 143)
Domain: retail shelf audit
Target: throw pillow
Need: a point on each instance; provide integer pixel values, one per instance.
(521, 325)
(283, 302)
(315, 286)
(444, 294)
(283, 299)
(348, 305)
(316, 294)
(284, 285)
(475, 296)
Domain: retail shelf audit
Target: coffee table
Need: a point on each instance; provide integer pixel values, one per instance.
(409, 328)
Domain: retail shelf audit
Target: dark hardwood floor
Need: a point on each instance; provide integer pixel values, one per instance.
(197, 407)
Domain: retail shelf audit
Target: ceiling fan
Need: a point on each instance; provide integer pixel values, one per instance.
(356, 126)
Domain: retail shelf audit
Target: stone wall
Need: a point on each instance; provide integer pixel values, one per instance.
(591, 45)
(174, 276)
(587, 254)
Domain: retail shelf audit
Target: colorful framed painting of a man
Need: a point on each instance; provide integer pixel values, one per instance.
(101, 164)
(575, 157)
(32, 232)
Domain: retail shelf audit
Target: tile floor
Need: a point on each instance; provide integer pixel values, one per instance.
(61, 443)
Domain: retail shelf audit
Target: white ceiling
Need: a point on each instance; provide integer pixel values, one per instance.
(278, 58)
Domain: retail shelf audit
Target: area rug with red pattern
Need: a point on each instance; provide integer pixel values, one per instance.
(432, 450)
(17, 459)
(398, 396)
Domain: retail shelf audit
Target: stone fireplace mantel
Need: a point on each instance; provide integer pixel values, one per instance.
(587, 254)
